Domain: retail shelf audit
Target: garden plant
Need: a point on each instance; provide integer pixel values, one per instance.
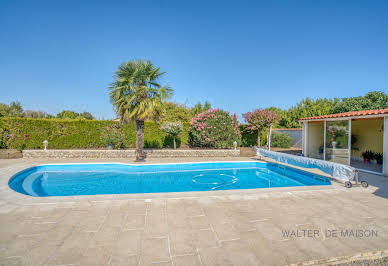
(214, 128)
(173, 129)
(281, 140)
(137, 96)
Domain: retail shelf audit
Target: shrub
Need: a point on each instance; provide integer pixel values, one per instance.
(214, 129)
(173, 129)
(77, 134)
(281, 140)
(113, 136)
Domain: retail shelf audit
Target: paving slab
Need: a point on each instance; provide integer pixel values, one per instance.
(187, 260)
(229, 228)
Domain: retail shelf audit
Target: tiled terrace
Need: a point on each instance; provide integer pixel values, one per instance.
(230, 228)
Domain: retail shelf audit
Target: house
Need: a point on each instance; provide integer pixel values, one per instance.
(359, 139)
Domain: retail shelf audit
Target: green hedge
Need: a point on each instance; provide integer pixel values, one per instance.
(86, 134)
(78, 134)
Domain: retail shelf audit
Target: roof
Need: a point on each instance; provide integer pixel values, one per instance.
(349, 114)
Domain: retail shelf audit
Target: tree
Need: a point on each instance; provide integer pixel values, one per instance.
(3, 110)
(35, 114)
(282, 115)
(371, 100)
(323, 106)
(67, 115)
(260, 120)
(86, 115)
(306, 108)
(176, 112)
(206, 106)
(173, 129)
(199, 108)
(137, 96)
(14, 109)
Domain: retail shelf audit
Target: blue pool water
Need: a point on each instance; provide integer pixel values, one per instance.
(93, 179)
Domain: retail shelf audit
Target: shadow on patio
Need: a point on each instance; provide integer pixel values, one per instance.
(379, 182)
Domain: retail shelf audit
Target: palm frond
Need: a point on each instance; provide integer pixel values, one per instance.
(136, 93)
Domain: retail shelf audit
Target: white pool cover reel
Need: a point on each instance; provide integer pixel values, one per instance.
(341, 172)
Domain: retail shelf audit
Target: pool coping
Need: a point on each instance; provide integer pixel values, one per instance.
(9, 195)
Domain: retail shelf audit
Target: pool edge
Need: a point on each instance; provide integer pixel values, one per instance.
(22, 198)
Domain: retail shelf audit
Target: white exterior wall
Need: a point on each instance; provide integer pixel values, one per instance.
(385, 147)
(305, 134)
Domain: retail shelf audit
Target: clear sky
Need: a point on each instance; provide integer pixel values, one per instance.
(239, 55)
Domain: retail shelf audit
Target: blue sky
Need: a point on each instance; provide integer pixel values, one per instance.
(239, 55)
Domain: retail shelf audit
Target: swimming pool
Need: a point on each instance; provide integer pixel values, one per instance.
(114, 178)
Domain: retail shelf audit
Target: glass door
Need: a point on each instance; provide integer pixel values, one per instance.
(337, 141)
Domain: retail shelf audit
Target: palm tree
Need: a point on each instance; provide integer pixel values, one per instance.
(137, 96)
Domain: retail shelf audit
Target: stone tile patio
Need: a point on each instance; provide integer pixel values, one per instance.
(232, 228)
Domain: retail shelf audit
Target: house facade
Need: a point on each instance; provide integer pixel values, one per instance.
(358, 139)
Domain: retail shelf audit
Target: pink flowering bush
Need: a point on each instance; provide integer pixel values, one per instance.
(214, 128)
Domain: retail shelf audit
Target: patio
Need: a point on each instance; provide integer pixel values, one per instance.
(228, 228)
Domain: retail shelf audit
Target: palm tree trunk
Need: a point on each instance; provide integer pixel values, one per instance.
(139, 139)
(174, 144)
(258, 138)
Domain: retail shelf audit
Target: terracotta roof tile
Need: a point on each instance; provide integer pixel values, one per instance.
(349, 114)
